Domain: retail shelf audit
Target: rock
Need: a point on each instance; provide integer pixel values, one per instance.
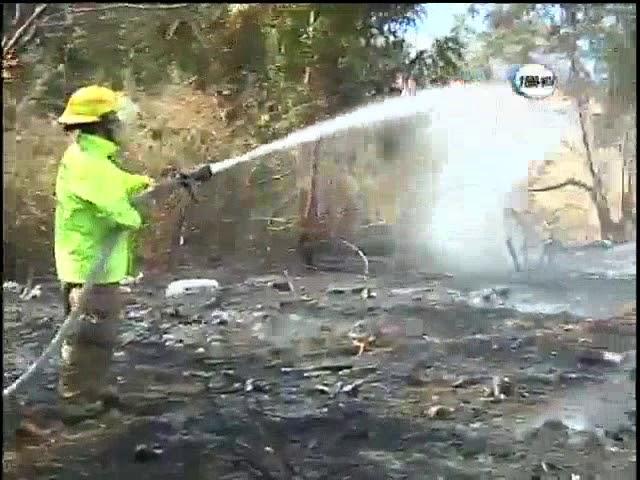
(584, 440)
(447, 469)
(497, 399)
(487, 295)
(358, 289)
(440, 412)
(536, 379)
(190, 319)
(604, 244)
(197, 374)
(128, 337)
(31, 293)
(262, 281)
(323, 389)
(548, 467)
(220, 317)
(603, 358)
(354, 289)
(367, 293)
(502, 386)
(502, 291)
(631, 415)
(191, 286)
(574, 377)
(616, 435)
(352, 389)
(410, 291)
(281, 286)
(174, 312)
(466, 382)
(336, 290)
(253, 385)
(143, 453)
(73, 414)
(136, 311)
(11, 286)
(549, 432)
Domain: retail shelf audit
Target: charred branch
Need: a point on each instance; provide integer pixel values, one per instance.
(572, 182)
(113, 6)
(8, 44)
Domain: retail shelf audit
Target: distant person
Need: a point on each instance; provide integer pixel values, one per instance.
(551, 246)
(412, 87)
(398, 86)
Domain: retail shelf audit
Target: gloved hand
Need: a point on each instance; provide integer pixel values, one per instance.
(187, 180)
(202, 174)
(145, 205)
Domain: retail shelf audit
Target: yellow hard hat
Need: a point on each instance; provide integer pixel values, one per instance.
(89, 104)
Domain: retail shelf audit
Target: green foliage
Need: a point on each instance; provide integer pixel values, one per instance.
(609, 30)
(445, 60)
(515, 31)
(307, 59)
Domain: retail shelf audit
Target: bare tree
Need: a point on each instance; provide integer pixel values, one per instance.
(582, 85)
(610, 229)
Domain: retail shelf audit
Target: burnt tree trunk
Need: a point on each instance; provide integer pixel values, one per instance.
(609, 229)
(312, 229)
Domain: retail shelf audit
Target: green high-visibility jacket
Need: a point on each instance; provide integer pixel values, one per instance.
(93, 198)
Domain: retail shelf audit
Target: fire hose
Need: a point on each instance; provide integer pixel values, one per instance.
(187, 181)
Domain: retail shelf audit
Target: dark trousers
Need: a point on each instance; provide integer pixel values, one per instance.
(86, 353)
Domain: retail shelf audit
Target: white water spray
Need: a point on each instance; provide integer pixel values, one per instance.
(488, 137)
(482, 137)
(364, 117)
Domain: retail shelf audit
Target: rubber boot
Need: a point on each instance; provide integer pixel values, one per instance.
(86, 356)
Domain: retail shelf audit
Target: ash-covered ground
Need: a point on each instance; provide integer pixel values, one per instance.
(531, 376)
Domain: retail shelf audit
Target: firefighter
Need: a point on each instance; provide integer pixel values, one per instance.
(93, 197)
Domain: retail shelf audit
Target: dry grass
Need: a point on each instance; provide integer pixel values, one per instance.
(29, 167)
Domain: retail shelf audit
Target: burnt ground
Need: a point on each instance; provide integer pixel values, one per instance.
(256, 383)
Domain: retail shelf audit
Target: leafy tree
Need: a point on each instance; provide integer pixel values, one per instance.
(445, 59)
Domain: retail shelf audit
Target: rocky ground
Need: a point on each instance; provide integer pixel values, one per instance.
(458, 379)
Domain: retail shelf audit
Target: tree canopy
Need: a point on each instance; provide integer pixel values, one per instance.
(604, 34)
